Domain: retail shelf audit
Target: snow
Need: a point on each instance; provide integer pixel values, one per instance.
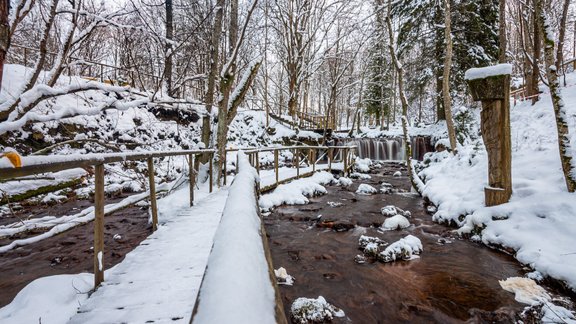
(362, 165)
(310, 310)
(11, 188)
(282, 277)
(51, 299)
(297, 191)
(366, 189)
(538, 221)
(485, 72)
(389, 211)
(345, 182)
(406, 248)
(395, 222)
(237, 269)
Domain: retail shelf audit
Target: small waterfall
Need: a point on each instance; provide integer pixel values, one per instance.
(390, 149)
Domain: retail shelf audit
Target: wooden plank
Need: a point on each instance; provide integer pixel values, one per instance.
(99, 225)
(152, 185)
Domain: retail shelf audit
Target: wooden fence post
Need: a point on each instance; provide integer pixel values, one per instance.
(345, 158)
(191, 177)
(297, 158)
(330, 156)
(101, 73)
(211, 170)
(313, 153)
(276, 164)
(257, 162)
(492, 87)
(25, 57)
(224, 161)
(99, 225)
(153, 204)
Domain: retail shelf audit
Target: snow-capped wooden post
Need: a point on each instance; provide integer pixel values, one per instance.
(491, 85)
(191, 177)
(98, 225)
(152, 184)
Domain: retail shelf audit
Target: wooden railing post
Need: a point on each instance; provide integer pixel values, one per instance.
(493, 89)
(276, 164)
(297, 159)
(313, 153)
(152, 184)
(211, 171)
(224, 162)
(330, 157)
(345, 158)
(191, 177)
(101, 73)
(25, 56)
(257, 162)
(98, 225)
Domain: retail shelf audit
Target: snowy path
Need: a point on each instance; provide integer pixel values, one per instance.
(159, 280)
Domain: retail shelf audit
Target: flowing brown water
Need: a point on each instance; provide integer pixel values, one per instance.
(453, 281)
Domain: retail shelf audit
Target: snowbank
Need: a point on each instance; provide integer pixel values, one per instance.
(538, 222)
(237, 270)
(51, 299)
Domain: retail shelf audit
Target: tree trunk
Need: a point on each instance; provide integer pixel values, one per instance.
(537, 52)
(502, 31)
(439, 51)
(214, 57)
(561, 36)
(446, 76)
(168, 49)
(559, 108)
(403, 100)
(4, 35)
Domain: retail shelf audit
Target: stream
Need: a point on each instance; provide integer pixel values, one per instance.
(454, 280)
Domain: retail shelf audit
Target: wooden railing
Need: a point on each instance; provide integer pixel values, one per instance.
(39, 165)
(304, 154)
(43, 164)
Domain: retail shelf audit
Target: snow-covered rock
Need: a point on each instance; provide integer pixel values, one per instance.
(282, 277)
(406, 248)
(310, 310)
(345, 182)
(397, 174)
(396, 222)
(366, 189)
(362, 165)
(389, 211)
(361, 176)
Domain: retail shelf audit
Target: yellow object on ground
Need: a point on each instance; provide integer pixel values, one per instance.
(14, 158)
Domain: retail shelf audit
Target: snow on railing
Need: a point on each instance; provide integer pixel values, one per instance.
(237, 286)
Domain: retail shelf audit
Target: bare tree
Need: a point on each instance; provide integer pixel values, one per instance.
(446, 76)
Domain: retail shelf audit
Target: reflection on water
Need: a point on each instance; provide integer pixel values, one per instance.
(453, 281)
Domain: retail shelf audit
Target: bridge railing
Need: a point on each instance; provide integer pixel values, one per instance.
(34, 165)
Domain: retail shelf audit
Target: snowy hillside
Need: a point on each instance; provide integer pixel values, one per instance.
(538, 221)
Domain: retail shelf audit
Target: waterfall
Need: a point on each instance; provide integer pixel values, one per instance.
(391, 148)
